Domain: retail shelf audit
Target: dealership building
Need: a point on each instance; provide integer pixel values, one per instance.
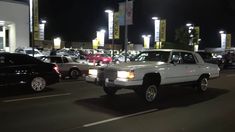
(14, 25)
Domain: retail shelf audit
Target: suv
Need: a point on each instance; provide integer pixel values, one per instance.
(152, 69)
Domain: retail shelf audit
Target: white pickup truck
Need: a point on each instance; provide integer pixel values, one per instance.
(154, 68)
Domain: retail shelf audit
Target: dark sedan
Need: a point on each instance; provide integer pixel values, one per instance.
(22, 69)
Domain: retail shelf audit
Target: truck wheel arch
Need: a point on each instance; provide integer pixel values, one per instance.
(152, 77)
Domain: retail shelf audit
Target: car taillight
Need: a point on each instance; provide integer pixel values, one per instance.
(56, 68)
(105, 59)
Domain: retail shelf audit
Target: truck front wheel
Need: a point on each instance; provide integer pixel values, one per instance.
(150, 92)
(110, 90)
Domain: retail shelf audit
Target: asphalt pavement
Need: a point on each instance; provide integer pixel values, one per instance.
(77, 106)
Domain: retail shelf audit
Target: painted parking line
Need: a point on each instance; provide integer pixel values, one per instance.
(119, 118)
(110, 120)
(38, 97)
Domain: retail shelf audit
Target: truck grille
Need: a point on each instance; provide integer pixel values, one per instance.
(111, 74)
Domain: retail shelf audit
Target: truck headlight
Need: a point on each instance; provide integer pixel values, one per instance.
(125, 74)
(93, 72)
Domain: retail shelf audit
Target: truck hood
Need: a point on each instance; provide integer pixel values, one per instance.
(135, 65)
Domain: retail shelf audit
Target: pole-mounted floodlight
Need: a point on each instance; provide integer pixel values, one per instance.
(221, 32)
(43, 21)
(155, 18)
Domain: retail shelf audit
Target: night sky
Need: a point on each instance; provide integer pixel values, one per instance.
(76, 20)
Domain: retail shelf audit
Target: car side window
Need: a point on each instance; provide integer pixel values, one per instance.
(188, 58)
(65, 60)
(18, 59)
(176, 58)
(56, 60)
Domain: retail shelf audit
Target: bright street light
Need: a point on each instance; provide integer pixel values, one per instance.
(108, 11)
(221, 32)
(102, 30)
(189, 24)
(43, 21)
(155, 18)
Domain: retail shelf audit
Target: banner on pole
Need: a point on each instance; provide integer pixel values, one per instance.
(95, 44)
(146, 42)
(100, 38)
(116, 26)
(110, 25)
(129, 13)
(157, 30)
(228, 41)
(36, 20)
(197, 29)
(223, 41)
(162, 30)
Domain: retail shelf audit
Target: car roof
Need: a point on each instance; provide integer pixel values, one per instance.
(169, 50)
(7, 53)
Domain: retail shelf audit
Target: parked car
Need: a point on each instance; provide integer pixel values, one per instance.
(99, 58)
(119, 59)
(68, 66)
(209, 58)
(152, 69)
(22, 69)
(229, 59)
(29, 51)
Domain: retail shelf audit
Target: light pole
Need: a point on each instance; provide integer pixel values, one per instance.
(111, 27)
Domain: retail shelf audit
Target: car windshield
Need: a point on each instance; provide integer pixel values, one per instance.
(161, 56)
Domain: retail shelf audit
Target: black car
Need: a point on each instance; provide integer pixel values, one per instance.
(22, 69)
(208, 57)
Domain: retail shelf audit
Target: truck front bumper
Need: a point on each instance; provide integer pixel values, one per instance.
(120, 83)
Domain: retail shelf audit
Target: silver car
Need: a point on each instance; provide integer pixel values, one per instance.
(68, 66)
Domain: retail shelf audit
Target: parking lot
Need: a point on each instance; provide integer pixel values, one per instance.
(74, 105)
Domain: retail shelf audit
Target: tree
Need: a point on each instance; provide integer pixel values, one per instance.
(183, 37)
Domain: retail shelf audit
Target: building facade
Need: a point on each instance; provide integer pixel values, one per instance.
(14, 25)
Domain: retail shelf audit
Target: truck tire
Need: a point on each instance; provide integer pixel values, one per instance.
(202, 84)
(110, 91)
(74, 73)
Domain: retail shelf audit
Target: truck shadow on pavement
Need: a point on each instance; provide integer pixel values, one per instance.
(129, 103)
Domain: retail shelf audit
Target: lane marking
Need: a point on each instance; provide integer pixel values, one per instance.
(118, 118)
(109, 120)
(33, 98)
